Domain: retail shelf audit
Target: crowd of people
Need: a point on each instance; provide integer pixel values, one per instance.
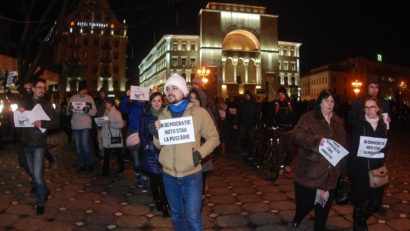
(176, 173)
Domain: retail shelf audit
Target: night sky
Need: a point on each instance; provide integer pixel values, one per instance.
(329, 30)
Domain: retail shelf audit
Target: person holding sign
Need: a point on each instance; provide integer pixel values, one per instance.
(368, 148)
(82, 107)
(34, 141)
(151, 164)
(316, 177)
(181, 154)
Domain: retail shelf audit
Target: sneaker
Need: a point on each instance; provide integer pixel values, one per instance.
(144, 184)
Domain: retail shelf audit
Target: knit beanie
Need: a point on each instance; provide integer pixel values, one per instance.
(177, 81)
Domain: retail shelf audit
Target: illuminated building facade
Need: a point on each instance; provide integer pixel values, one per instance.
(237, 43)
(93, 48)
(338, 77)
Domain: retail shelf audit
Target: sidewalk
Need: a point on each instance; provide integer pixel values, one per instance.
(239, 198)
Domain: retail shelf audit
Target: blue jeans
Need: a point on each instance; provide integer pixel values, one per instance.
(35, 163)
(136, 160)
(184, 196)
(82, 146)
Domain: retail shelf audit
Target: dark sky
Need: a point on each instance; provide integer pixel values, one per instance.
(329, 30)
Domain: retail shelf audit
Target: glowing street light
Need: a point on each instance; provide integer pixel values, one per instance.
(203, 73)
(356, 87)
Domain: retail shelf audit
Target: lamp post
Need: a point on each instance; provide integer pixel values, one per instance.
(203, 72)
(356, 86)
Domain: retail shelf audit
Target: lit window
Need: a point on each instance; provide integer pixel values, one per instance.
(175, 46)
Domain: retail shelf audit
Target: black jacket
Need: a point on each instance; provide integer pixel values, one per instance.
(32, 137)
(358, 167)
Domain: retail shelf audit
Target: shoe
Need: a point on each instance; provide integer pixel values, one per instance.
(81, 169)
(165, 212)
(90, 168)
(40, 209)
(287, 169)
(158, 205)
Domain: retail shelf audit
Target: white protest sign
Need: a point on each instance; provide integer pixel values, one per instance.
(78, 106)
(332, 151)
(370, 147)
(176, 131)
(101, 121)
(26, 119)
(10, 78)
(139, 93)
(23, 119)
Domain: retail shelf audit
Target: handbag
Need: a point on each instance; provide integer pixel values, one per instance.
(342, 190)
(133, 140)
(378, 177)
(114, 139)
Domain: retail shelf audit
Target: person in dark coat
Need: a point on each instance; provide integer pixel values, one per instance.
(366, 200)
(34, 141)
(316, 178)
(151, 165)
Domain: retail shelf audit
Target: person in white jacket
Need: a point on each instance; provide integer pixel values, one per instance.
(112, 139)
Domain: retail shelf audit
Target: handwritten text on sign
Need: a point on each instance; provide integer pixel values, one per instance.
(176, 131)
(370, 147)
(332, 151)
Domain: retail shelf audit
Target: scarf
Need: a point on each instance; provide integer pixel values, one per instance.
(180, 107)
(372, 122)
(154, 112)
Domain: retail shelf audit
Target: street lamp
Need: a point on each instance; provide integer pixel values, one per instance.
(356, 87)
(203, 72)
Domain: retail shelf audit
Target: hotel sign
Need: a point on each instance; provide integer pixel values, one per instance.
(92, 24)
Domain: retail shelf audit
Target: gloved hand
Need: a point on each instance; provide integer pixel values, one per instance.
(86, 109)
(153, 130)
(196, 157)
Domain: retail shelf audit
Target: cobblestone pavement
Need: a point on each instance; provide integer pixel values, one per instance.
(240, 197)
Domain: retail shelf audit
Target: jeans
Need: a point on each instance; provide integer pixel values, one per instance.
(35, 163)
(136, 160)
(82, 146)
(184, 196)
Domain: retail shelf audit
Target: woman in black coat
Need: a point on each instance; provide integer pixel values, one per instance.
(151, 165)
(366, 200)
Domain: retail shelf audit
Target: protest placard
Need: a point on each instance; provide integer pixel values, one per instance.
(11, 77)
(176, 131)
(139, 93)
(78, 106)
(332, 151)
(370, 147)
(101, 121)
(27, 118)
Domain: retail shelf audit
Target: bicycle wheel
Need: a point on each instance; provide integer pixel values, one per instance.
(273, 163)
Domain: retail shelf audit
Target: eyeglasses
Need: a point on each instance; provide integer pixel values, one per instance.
(370, 107)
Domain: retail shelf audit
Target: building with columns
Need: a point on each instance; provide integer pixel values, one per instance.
(93, 48)
(239, 46)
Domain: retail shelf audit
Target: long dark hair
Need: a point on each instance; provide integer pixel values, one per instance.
(196, 93)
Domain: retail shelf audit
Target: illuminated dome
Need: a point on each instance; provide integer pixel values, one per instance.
(240, 40)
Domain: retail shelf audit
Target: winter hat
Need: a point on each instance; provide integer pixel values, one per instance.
(177, 81)
(82, 85)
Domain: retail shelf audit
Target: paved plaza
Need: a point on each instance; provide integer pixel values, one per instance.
(240, 197)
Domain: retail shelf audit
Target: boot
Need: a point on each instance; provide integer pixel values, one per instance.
(165, 211)
(158, 205)
(359, 219)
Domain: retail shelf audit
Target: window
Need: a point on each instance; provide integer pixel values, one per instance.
(174, 61)
(115, 70)
(183, 62)
(285, 66)
(174, 46)
(183, 47)
(292, 66)
(192, 62)
(285, 52)
(193, 46)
